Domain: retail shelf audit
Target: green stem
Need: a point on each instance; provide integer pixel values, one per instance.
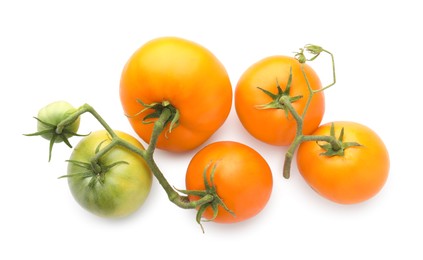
(175, 197)
(333, 73)
(299, 120)
(159, 127)
(310, 90)
(100, 153)
(81, 110)
(300, 137)
(289, 156)
(335, 144)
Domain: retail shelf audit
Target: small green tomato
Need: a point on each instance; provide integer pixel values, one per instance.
(117, 185)
(51, 115)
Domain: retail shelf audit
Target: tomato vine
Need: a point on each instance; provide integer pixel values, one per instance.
(282, 100)
(166, 117)
(159, 126)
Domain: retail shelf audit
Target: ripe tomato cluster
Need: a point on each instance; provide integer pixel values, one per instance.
(176, 94)
(268, 97)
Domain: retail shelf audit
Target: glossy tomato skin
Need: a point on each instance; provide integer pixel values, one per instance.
(272, 126)
(126, 186)
(355, 177)
(187, 75)
(243, 179)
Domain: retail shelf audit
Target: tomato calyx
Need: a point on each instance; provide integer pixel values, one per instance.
(210, 190)
(337, 146)
(158, 109)
(55, 134)
(95, 171)
(278, 98)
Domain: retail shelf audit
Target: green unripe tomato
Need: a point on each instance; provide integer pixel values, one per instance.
(51, 115)
(117, 185)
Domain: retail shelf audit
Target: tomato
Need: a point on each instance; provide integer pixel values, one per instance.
(276, 126)
(242, 178)
(184, 74)
(354, 177)
(119, 188)
(48, 120)
(51, 115)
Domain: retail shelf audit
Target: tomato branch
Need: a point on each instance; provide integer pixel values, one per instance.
(159, 127)
(334, 143)
(316, 51)
(300, 137)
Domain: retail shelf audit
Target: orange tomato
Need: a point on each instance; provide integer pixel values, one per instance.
(352, 178)
(188, 76)
(242, 178)
(273, 126)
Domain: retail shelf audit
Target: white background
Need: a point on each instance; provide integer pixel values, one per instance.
(75, 51)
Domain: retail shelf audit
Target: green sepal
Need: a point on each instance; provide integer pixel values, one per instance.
(97, 175)
(210, 189)
(157, 109)
(81, 164)
(330, 151)
(199, 215)
(63, 136)
(276, 102)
